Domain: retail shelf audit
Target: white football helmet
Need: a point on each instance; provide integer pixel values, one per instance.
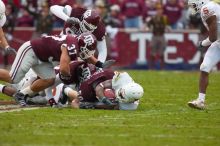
(130, 93)
(196, 5)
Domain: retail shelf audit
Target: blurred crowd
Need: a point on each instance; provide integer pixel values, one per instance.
(116, 13)
(158, 16)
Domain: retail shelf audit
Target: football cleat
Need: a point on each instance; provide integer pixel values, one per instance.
(198, 104)
(20, 98)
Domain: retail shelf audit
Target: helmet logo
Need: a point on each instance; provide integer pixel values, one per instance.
(88, 39)
(205, 10)
(88, 13)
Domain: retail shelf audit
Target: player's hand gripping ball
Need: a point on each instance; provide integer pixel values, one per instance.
(109, 93)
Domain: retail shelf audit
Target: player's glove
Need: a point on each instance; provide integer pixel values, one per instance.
(200, 46)
(105, 100)
(106, 64)
(73, 20)
(10, 50)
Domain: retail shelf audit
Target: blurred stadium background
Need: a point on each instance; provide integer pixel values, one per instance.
(163, 118)
(129, 41)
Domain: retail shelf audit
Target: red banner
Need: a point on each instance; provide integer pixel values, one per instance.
(133, 48)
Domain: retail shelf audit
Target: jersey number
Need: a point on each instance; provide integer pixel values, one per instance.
(71, 49)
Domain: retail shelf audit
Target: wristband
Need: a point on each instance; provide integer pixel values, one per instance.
(206, 42)
(64, 77)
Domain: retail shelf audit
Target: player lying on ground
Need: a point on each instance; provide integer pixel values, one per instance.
(210, 14)
(41, 55)
(80, 20)
(43, 96)
(91, 89)
(92, 84)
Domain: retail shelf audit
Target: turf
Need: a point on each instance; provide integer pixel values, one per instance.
(162, 119)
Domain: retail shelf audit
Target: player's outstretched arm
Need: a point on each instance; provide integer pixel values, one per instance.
(102, 49)
(61, 12)
(64, 64)
(212, 25)
(10, 91)
(3, 43)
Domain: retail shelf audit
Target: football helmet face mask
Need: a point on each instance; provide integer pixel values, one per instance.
(87, 45)
(196, 5)
(90, 21)
(130, 93)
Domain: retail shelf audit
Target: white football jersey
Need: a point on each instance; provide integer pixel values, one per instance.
(208, 10)
(120, 79)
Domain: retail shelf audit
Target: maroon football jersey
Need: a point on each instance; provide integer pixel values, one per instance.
(99, 32)
(86, 88)
(48, 48)
(79, 71)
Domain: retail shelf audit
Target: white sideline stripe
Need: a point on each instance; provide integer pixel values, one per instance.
(19, 109)
(160, 136)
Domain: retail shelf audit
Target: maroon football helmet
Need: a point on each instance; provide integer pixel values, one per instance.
(87, 45)
(90, 21)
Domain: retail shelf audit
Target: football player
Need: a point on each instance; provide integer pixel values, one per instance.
(3, 42)
(210, 15)
(79, 20)
(41, 55)
(30, 77)
(91, 87)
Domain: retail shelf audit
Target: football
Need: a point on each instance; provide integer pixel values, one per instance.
(109, 93)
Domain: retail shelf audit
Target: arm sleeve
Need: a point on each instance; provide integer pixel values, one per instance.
(102, 49)
(61, 12)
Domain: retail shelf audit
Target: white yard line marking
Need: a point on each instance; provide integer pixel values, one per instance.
(16, 108)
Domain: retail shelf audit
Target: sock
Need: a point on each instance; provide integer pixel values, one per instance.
(201, 96)
(49, 93)
(67, 90)
(2, 88)
(27, 91)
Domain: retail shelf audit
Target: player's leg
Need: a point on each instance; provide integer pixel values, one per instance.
(161, 50)
(212, 57)
(46, 79)
(43, 70)
(4, 76)
(7, 90)
(153, 52)
(24, 60)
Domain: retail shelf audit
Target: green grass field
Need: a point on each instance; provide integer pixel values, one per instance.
(162, 119)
